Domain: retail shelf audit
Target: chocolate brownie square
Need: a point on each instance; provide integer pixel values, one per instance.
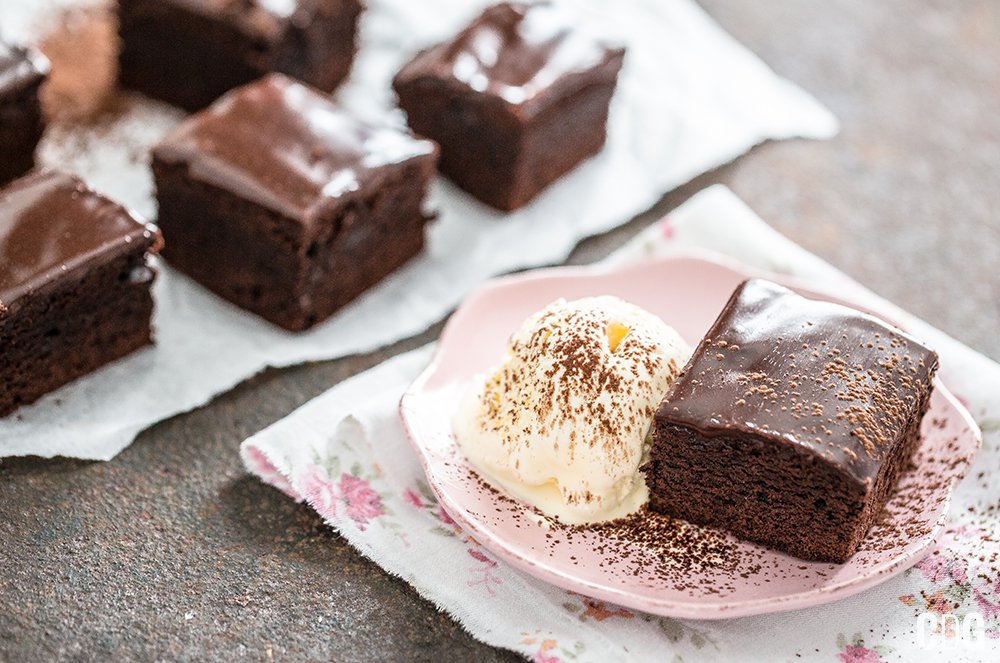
(286, 205)
(74, 284)
(516, 100)
(189, 52)
(791, 423)
(22, 73)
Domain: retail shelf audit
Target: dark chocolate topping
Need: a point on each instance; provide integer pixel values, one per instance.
(516, 52)
(52, 225)
(286, 147)
(835, 382)
(19, 68)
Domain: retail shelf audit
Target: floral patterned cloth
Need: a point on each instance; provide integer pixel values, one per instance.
(345, 454)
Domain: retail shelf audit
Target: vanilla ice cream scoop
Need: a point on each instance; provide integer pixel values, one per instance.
(563, 422)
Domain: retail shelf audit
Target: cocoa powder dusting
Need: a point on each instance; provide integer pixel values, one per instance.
(82, 47)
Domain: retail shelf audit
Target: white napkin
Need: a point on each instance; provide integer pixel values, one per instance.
(690, 99)
(346, 454)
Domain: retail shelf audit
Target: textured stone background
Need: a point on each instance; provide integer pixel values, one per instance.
(171, 551)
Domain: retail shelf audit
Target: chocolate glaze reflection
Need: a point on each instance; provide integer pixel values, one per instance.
(830, 380)
(287, 147)
(515, 51)
(19, 68)
(51, 224)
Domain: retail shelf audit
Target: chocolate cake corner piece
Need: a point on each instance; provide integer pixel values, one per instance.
(791, 424)
(189, 52)
(516, 100)
(74, 285)
(286, 205)
(22, 73)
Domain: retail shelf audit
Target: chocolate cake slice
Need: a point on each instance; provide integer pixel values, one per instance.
(74, 284)
(516, 100)
(791, 423)
(283, 203)
(189, 52)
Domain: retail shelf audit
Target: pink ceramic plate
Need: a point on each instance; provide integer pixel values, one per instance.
(687, 293)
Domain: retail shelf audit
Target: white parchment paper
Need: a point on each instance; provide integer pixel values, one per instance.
(689, 99)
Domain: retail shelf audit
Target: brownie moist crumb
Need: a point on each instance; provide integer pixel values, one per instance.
(791, 424)
(516, 100)
(74, 285)
(284, 204)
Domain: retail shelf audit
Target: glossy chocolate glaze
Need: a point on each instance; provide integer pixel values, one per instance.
(287, 147)
(830, 380)
(52, 226)
(517, 52)
(19, 68)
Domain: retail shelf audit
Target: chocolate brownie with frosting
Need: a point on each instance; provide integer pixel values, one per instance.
(791, 424)
(287, 205)
(516, 100)
(74, 284)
